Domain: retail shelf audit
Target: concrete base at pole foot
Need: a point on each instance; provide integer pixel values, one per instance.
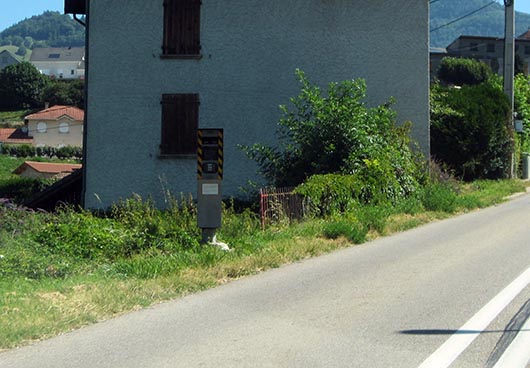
(209, 237)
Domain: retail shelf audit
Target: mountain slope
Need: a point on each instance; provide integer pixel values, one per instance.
(486, 22)
(48, 29)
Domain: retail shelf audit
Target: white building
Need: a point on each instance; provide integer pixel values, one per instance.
(60, 62)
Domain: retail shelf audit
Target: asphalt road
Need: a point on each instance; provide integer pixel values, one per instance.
(390, 303)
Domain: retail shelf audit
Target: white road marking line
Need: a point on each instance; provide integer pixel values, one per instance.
(517, 355)
(458, 342)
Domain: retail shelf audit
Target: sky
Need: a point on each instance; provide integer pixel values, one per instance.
(13, 11)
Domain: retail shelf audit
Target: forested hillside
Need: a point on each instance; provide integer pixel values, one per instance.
(50, 29)
(486, 22)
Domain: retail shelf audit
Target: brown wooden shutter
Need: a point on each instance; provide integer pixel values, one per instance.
(180, 120)
(182, 25)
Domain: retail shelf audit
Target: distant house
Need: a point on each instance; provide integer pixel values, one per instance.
(60, 62)
(57, 126)
(45, 170)
(489, 50)
(15, 136)
(7, 58)
(229, 64)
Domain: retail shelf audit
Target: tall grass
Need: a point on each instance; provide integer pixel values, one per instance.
(63, 270)
(7, 165)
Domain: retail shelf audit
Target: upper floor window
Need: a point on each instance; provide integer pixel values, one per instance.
(527, 50)
(182, 28)
(490, 47)
(473, 46)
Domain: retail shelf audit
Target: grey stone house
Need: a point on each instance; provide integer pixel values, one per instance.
(160, 69)
(7, 58)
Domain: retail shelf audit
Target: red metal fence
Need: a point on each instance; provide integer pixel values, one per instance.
(280, 204)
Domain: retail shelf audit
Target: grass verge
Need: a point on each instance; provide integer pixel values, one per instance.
(66, 270)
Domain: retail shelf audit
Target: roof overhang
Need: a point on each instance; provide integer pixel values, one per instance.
(74, 6)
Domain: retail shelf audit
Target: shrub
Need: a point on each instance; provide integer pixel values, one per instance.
(22, 189)
(439, 197)
(337, 133)
(350, 228)
(469, 130)
(330, 194)
(153, 227)
(459, 71)
(24, 150)
(374, 217)
(68, 152)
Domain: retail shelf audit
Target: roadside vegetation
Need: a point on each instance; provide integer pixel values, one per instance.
(68, 269)
(471, 134)
(352, 165)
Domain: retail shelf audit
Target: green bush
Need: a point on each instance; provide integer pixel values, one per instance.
(132, 227)
(460, 71)
(330, 194)
(24, 150)
(374, 217)
(82, 236)
(470, 132)
(64, 92)
(22, 189)
(350, 228)
(336, 133)
(439, 197)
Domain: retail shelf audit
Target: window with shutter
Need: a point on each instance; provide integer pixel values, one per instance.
(180, 120)
(182, 28)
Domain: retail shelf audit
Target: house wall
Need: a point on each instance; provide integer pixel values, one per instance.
(7, 59)
(53, 136)
(250, 50)
(33, 174)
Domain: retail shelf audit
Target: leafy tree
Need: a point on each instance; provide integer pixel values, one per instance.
(17, 40)
(461, 71)
(21, 86)
(64, 92)
(469, 130)
(522, 108)
(21, 51)
(28, 42)
(337, 133)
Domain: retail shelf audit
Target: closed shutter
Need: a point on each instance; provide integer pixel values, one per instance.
(180, 120)
(182, 27)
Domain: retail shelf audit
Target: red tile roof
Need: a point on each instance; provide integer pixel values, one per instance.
(55, 112)
(525, 36)
(5, 133)
(12, 135)
(47, 167)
